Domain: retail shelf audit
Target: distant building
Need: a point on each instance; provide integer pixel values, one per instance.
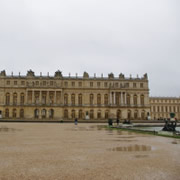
(60, 97)
(161, 107)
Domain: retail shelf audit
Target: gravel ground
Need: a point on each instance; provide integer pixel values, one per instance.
(84, 152)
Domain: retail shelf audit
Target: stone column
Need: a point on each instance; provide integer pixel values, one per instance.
(114, 98)
(122, 98)
(110, 97)
(55, 97)
(125, 98)
(47, 97)
(32, 96)
(26, 97)
(40, 97)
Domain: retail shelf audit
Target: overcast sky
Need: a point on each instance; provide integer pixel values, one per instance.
(97, 36)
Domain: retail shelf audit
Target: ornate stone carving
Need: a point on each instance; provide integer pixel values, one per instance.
(85, 75)
(3, 73)
(30, 73)
(111, 76)
(121, 75)
(58, 74)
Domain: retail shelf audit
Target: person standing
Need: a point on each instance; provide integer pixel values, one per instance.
(76, 121)
(117, 121)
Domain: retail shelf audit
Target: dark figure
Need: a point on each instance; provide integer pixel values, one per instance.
(117, 121)
(170, 126)
(76, 121)
(110, 122)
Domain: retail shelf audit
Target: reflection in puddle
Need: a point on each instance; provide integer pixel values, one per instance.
(6, 129)
(118, 140)
(132, 148)
(141, 156)
(174, 142)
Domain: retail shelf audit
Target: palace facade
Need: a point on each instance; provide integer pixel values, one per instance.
(59, 98)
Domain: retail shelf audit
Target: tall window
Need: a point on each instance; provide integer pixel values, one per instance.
(21, 113)
(14, 113)
(15, 98)
(135, 99)
(135, 114)
(142, 99)
(91, 99)
(118, 114)
(117, 98)
(44, 97)
(66, 99)
(99, 114)
(73, 114)
(80, 114)
(129, 114)
(80, 99)
(7, 113)
(51, 113)
(7, 98)
(106, 114)
(73, 99)
(65, 114)
(128, 99)
(36, 113)
(91, 114)
(98, 99)
(106, 99)
(43, 112)
(22, 99)
(143, 115)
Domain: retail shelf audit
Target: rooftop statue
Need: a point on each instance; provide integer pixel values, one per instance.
(121, 76)
(145, 76)
(85, 75)
(3, 73)
(111, 76)
(30, 73)
(58, 74)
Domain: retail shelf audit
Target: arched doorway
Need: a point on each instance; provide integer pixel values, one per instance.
(36, 113)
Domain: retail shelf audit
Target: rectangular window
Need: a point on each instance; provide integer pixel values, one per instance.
(66, 84)
(51, 83)
(37, 83)
(134, 85)
(105, 84)
(98, 84)
(91, 84)
(8, 82)
(22, 83)
(127, 85)
(15, 82)
(116, 85)
(141, 85)
(80, 84)
(44, 83)
(73, 84)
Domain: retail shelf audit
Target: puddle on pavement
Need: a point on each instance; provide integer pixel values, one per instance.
(174, 142)
(6, 129)
(132, 148)
(141, 156)
(118, 140)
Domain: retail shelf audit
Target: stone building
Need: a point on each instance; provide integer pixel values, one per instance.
(161, 107)
(60, 97)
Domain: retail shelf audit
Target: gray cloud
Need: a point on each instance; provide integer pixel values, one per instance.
(98, 36)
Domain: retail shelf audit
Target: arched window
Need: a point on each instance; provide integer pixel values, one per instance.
(43, 112)
(21, 114)
(80, 99)
(129, 114)
(143, 115)
(73, 99)
(135, 99)
(73, 115)
(7, 113)
(15, 99)
(106, 99)
(51, 113)
(136, 114)
(66, 114)
(66, 99)
(99, 99)
(99, 114)
(128, 99)
(36, 113)
(14, 113)
(22, 98)
(118, 114)
(91, 114)
(91, 97)
(142, 99)
(80, 114)
(7, 98)
(106, 114)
